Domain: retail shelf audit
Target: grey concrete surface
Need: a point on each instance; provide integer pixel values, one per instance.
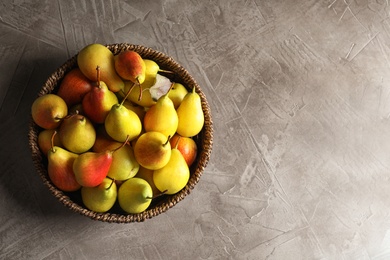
(300, 97)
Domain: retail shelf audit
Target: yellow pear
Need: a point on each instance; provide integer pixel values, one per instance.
(77, 133)
(152, 150)
(124, 165)
(174, 175)
(162, 117)
(151, 70)
(97, 54)
(177, 94)
(190, 114)
(122, 123)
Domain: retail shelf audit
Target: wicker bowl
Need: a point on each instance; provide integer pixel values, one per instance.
(204, 141)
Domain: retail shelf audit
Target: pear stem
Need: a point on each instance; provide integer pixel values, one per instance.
(98, 76)
(52, 141)
(112, 182)
(123, 144)
(166, 71)
(127, 94)
(68, 115)
(169, 138)
(157, 195)
(140, 90)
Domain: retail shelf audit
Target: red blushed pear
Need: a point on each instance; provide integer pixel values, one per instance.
(74, 86)
(60, 168)
(130, 66)
(91, 168)
(186, 146)
(48, 111)
(98, 102)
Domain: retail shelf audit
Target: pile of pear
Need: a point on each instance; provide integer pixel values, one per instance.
(117, 130)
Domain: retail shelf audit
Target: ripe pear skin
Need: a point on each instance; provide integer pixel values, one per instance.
(77, 133)
(187, 146)
(124, 165)
(162, 117)
(122, 123)
(91, 168)
(60, 169)
(135, 195)
(98, 102)
(174, 175)
(151, 69)
(100, 198)
(152, 150)
(177, 94)
(97, 54)
(130, 66)
(48, 110)
(74, 86)
(190, 114)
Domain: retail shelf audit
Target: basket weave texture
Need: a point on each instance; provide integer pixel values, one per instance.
(204, 141)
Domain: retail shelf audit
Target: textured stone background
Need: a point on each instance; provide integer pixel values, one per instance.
(299, 92)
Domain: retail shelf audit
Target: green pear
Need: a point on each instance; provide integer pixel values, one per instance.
(190, 114)
(174, 175)
(77, 133)
(135, 195)
(48, 111)
(177, 94)
(162, 117)
(100, 198)
(97, 54)
(152, 150)
(124, 165)
(98, 101)
(60, 168)
(122, 123)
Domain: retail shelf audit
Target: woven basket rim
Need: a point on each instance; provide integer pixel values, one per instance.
(205, 139)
